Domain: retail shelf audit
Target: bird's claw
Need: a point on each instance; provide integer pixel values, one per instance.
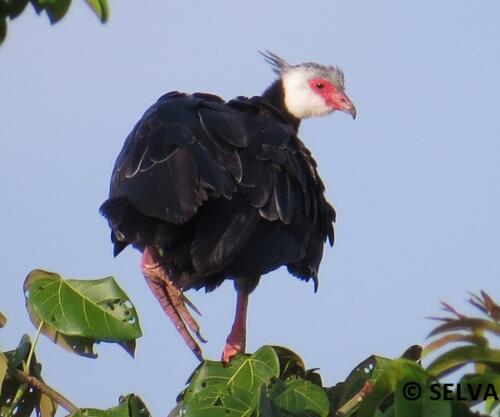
(231, 350)
(191, 305)
(200, 337)
(173, 302)
(197, 352)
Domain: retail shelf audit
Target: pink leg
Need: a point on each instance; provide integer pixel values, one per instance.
(171, 300)
(236, 340)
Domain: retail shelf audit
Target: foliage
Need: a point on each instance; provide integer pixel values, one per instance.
(272, 382)
(55, 10)
(129, 406)
(476, 348)
(78, 313)
(17, 398)
(252, 385)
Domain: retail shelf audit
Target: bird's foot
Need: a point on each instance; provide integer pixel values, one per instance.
(172, 301)
(236, 341)
(232, 349)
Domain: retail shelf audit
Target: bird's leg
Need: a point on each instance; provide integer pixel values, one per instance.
(179, 302)
(236, 340)
(171, 299)
(178, 299)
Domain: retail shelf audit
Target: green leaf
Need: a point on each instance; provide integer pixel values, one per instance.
(3, 320)
(4, 9)
(490, 404)
(422, 405)
(435, 408)
(136, 406)
(79, 345)
(413, 353)
(222, 400)
(37, 6)
(404, 407)
(16, 7)
(344, 392)
(100, 8)
(29, 399)
(474, 388)
(456, 337)
(238, 388)
(459, 409)
(471, 324)
(79, 313)
(387, 412)
(46, 407)
(302, 397)
(246, 372)
(57, 9)
(129, 406)
(26, 404)
(3, 370)
(386, 379)
(3, 29)
(460, 356)
(18, 356)
(263, 406)
(290, 362)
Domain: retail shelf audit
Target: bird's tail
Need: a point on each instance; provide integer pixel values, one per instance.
(129, 226)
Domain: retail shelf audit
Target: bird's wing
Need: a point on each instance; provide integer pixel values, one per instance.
(280, 186)
(279, 173)
(261, 195)
(180, 153)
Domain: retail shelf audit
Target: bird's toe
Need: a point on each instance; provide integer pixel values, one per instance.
(232, 349)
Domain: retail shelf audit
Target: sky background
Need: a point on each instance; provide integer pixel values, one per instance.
(415, 178)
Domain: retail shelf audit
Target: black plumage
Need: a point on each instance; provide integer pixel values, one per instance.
(224, 190)
(211, 190)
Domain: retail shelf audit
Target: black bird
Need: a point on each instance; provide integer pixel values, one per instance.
(210, 190)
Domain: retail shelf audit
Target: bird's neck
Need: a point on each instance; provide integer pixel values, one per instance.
(275, 95)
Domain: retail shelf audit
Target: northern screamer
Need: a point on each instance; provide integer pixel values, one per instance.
(210, 190)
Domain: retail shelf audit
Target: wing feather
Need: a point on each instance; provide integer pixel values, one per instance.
(172, 162)
(230, 184)
(220, 235)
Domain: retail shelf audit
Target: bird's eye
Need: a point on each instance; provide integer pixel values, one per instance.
(320, 85)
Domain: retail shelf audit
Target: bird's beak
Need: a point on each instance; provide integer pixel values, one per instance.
(348, 107)
(341, 102)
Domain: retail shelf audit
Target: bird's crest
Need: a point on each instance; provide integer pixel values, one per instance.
(280, 66)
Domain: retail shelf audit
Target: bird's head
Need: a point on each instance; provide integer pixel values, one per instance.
(311, 89)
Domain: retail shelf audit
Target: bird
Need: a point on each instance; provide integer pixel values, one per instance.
(212, 190)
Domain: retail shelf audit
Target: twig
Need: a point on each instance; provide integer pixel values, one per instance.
(27, 365)
(26, 368)
(356, 400)
(43, 388)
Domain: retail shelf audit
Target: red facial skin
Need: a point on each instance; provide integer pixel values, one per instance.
(334, 98)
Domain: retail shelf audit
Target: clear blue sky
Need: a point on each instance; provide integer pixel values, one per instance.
(415, 178)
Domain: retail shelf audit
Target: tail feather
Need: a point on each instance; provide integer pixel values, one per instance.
(129, 226)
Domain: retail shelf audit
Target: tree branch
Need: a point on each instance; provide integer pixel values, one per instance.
(43, 388)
